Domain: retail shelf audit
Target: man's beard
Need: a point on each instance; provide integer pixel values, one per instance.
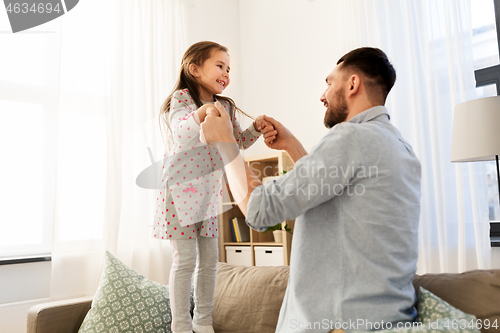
(336, 114)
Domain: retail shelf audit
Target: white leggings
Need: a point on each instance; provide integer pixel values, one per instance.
(185, 253)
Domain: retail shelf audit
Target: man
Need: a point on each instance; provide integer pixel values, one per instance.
(356, 201)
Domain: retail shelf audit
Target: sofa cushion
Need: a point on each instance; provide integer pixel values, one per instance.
(435, 313)
(248, 299)
(474, 292)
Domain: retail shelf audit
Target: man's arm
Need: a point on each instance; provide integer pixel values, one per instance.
(252, 182)
(241, 179)
(218, 132)
(296, 151)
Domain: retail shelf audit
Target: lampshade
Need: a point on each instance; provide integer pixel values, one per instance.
(476, 130)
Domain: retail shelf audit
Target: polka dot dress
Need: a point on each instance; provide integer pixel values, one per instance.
(190, 160)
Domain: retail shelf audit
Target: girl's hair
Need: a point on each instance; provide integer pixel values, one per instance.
(195, 54)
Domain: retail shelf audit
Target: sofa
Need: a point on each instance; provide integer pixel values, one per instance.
(248, 299)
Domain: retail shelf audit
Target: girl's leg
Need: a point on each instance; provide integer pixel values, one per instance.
(183, 264)
(204, 284)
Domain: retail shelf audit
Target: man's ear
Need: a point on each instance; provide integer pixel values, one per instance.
(353, 84)
(193, 69)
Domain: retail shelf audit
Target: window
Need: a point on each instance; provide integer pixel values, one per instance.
(52, 135)
(21, 174)
(28, 95)
(487, 70)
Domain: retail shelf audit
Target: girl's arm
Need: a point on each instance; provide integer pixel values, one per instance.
(245, 138)
(182, 121)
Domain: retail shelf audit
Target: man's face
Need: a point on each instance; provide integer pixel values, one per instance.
(334, 99)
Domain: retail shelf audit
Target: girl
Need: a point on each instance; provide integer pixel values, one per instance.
(186, 210)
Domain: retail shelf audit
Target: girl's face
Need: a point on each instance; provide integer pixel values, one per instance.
(213, 75)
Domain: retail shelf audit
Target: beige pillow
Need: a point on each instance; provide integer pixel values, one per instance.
(474, 292)
(248, 299)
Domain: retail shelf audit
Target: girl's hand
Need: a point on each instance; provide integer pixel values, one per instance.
(277, 136)
(259, 123)
(207, 109)
(212, 110)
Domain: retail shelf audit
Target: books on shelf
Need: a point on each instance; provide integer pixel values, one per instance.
(232, 230)
(239, 230)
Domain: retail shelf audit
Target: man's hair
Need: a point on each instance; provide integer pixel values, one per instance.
(375, 66)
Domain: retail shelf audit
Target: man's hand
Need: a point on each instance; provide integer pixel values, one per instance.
(205, 110)
(217, 128)
(212, 110)
(277, 136)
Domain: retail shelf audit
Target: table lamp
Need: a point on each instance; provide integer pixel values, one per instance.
(476, 132)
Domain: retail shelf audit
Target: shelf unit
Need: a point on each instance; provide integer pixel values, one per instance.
(268, 165)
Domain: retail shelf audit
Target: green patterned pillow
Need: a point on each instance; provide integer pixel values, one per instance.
(126, 301)
(436, 315)
(434, 312)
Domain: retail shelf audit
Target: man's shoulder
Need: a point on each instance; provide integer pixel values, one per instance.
(369, 131)
(347, 131)
(341, 136)
(359, 136)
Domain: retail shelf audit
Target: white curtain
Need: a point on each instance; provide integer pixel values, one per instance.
(430, 45)
(118, 62)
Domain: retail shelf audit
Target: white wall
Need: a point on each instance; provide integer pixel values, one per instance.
(288, 47)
